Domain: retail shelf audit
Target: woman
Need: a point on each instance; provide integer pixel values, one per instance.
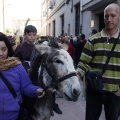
(14, 72)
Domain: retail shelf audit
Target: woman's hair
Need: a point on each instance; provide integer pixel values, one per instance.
(5, 39)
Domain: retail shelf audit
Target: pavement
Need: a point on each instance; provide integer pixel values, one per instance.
(73, 110)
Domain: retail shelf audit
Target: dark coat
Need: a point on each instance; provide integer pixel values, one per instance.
(78, 50)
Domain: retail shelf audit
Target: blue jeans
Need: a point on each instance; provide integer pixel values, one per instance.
(94, 102)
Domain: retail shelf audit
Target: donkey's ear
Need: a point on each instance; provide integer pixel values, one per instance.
(42, 49)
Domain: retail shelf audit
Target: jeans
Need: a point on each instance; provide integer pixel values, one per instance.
(94, 102)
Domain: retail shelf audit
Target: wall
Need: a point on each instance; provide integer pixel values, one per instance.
(59, 9)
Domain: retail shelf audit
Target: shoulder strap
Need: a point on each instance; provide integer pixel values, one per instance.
(109, 55)
(9, 86)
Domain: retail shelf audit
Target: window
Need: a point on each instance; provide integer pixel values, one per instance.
(69, 29)
(54, 28)
(62, 24)
(77, 19)
(49, 29)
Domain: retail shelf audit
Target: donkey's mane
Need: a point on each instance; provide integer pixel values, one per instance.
(35, 66)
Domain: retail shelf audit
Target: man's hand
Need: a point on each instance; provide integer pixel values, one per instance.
(117, 93)
(40, 92)
(79, 76)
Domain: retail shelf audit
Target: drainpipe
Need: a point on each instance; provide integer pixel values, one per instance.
(81, 16)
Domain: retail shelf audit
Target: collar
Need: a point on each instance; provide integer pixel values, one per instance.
(103, 34)
(9, 63)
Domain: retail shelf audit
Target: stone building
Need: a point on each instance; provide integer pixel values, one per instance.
(72, 16)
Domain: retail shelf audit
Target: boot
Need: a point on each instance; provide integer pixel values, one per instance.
(56, 108)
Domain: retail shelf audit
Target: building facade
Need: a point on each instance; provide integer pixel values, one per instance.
(72, 16)
(58, 17)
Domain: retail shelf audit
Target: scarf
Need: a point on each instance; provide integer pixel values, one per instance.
(8, 63)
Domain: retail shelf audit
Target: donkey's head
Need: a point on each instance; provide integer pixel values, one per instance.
(56, 69)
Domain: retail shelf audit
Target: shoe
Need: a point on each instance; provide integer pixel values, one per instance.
(57, 109)
(52, 114)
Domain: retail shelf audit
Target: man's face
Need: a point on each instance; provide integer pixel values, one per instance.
(79, 37)
(30, 37)
(111, 17)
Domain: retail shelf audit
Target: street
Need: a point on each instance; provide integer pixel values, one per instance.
(72, 110)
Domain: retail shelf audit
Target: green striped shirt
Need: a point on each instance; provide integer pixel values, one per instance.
(94, 56)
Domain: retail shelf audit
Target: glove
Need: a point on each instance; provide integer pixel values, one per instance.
(40, 92)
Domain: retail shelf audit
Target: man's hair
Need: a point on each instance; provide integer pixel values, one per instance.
(83, 36)
(30, 28)
(5, 39)
(94, 31)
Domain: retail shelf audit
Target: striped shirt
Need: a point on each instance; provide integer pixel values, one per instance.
(94, 56)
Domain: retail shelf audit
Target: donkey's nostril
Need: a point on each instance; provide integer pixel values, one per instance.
(76, 92)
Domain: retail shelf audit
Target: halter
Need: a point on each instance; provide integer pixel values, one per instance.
(54, 81)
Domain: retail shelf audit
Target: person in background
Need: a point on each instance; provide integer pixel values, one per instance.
(93, 58)
(65, 35)
(94, 31)
(12, 41)
(24, 50)
(70, 49)
(12, 69)
(78, 45)
(64, 43)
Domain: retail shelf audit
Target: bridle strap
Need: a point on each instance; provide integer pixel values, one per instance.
(65, 77)
(60, 79)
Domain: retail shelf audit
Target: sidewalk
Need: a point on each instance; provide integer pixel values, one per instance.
(72, 110)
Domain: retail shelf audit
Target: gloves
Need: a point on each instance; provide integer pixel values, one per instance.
(40, 92)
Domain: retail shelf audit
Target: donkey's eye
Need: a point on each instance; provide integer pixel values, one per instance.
(58, 61)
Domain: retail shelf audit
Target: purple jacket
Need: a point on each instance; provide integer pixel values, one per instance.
(19, 79)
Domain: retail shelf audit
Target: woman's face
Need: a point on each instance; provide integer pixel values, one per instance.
(3, 50)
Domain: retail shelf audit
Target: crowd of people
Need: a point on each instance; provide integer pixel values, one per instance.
(88, 55)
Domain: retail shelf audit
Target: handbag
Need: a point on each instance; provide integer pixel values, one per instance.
(94, 78)
(94, 81)
(23, 114)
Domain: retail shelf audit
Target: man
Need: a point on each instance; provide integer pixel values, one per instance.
(94, 31)
(93, 57)
(79, 45)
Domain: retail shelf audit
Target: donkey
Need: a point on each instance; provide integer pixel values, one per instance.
(52, 69)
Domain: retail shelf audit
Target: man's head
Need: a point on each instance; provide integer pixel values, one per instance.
(81, 37)
(94, 31)
(111, 16)
(30, 33)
